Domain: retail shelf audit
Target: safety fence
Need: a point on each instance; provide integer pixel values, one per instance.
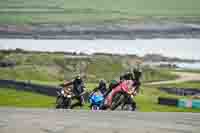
(182, 103)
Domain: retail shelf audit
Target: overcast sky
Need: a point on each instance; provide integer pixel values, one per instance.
(183, 48)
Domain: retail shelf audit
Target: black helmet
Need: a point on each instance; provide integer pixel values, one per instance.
(102, 82)
(128, 76)
(137, 73)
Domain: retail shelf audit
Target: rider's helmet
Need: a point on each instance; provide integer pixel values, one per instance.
(102, 83)
(78, 78)
(137, 73)
(128, 76)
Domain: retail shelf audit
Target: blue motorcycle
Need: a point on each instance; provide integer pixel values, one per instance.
(96, 100)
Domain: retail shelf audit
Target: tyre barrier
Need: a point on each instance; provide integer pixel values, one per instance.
(182, 103)
(189, 103)
(181, 91)
(30, 87)
(167, 101)
(25, 86)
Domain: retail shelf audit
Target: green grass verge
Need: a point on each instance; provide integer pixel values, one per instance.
(12, 97)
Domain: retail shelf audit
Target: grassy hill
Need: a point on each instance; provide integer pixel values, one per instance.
(54, 67)
(87, 11)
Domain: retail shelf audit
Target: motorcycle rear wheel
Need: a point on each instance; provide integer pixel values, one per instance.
(121, 102)
(117, 101)
(127, 107)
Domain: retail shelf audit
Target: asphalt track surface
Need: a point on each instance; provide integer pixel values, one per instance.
(20, 120)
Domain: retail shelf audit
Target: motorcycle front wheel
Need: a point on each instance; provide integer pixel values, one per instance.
(59, 102)
(94, 107)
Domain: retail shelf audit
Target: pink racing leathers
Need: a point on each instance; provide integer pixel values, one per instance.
(126, 86)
